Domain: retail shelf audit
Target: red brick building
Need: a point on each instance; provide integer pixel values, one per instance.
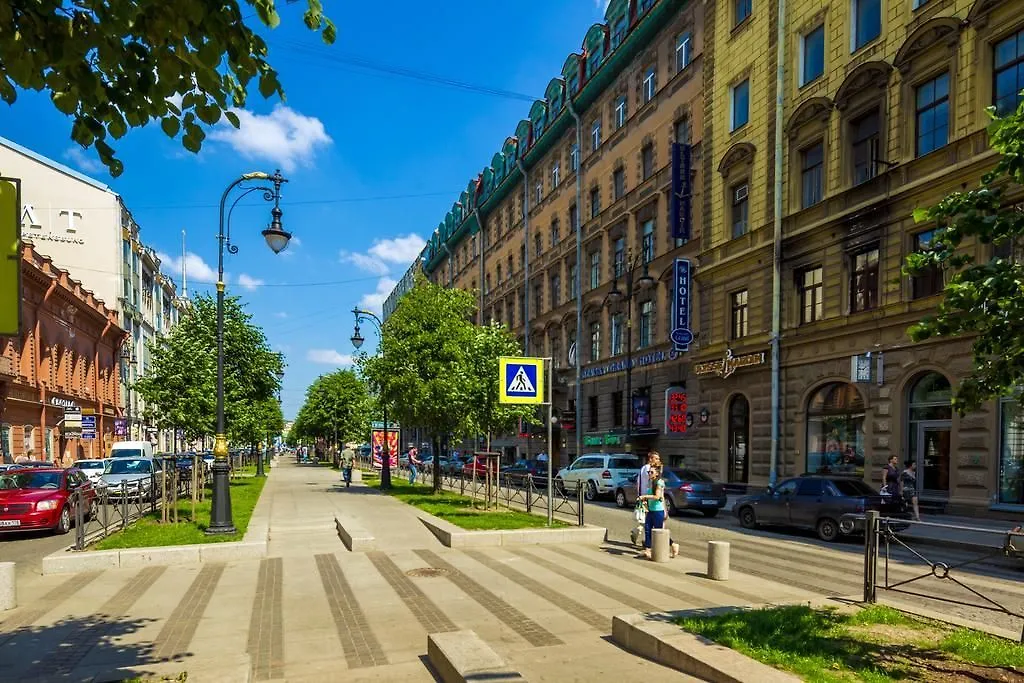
(66, 357)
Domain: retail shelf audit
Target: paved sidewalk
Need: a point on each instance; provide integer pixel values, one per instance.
(312, 611)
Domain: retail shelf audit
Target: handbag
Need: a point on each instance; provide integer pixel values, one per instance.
(640, 512)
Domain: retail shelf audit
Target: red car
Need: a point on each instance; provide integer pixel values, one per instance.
(38, 498)
(480, 466)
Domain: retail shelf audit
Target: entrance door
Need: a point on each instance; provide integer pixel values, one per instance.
(739, 440)
(933, 458)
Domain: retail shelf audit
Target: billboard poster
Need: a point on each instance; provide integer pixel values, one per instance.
(377, 446)
(120, 426)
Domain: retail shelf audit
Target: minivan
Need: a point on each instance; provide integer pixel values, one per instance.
(131, 449)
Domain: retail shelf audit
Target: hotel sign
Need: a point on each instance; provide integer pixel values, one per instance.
(728, 364)
(681, 335)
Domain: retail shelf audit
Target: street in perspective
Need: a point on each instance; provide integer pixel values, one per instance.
(667, 341)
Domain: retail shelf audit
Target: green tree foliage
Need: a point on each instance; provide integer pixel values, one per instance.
(339, 401)
(982, 299)
(112, 65)
(180, 386)
(439, 371)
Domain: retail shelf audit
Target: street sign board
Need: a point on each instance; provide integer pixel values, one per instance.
(88, 427)
(10, 257)
(72, 425)
(521, 380)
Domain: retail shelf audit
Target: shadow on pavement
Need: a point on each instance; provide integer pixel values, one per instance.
(91, 648)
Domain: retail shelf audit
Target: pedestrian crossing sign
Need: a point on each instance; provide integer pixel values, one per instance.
(521, 380)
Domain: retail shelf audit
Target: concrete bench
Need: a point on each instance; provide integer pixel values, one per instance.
(355, 538)
(462, 657)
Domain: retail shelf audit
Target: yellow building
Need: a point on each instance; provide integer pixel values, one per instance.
(883, 111)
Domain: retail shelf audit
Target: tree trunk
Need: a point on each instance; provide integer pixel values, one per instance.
(437, 464)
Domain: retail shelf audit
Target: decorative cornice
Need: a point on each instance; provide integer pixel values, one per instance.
(740, 153)
(816, 108)
(939, 30)
(866, 77)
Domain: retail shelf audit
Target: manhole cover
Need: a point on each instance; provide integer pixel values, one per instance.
(426, 572)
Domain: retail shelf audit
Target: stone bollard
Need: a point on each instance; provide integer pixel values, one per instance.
(660, 545)
(8, 588)
(718, 560)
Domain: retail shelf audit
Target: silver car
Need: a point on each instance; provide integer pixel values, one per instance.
(135, 475)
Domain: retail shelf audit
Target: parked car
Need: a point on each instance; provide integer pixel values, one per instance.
(598, 473)
(93, 469)
(817, 502)
(25, 464)
(685, 489)
(479, 466)
(40, 498)
(136, 472)
(521, 468)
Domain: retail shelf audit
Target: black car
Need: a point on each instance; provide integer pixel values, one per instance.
(685, 489)
(523, 467)
(827, 504)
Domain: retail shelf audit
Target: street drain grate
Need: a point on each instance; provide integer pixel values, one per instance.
(426, 572)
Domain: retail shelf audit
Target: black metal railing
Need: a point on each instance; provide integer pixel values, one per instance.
(101, 509)
(884, 535)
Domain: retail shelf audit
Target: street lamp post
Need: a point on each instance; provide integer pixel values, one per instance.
(277, 239)
(615, 295)
(357, 341)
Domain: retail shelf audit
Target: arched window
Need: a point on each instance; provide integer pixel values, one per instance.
(835, 430)
(739, 439)
(929, 430)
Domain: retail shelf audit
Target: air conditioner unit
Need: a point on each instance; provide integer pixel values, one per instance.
(741, 192)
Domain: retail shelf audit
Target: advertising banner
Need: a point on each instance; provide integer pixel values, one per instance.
(682, 191)
(377, 446)
(120, 426)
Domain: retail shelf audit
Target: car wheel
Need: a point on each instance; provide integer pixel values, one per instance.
(828, 529)
(591, 491)
(710, 512)
(620, 498)
(64, 521)
(748, 520)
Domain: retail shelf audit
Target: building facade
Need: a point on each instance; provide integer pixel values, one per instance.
(84, 226)
(68, 357)
(802, 210)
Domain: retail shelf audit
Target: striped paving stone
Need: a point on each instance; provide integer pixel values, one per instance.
(359, 644)
(27, 616)
(426, 612)
(266, 626)
(176, 635)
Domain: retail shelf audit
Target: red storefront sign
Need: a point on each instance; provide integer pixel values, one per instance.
(675, 410)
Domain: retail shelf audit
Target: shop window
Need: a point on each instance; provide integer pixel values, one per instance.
(739, 314)
(1008, 74)
(641, 407)
(1010, 489)
(929, 431)
(932, 116)
(835, 430)
(864, 280)
(811, 300)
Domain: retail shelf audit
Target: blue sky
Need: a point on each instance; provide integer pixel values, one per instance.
(374, 160)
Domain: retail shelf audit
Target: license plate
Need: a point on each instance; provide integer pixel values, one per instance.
(10, 522)
(709, 502)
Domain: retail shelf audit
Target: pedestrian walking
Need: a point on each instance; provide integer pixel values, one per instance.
(414, 460)
(347, 461)
(908, 486)
(655, 500)
(890, 478)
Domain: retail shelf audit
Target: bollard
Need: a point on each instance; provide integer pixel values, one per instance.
(718, 560)
(660, 545)
(8, 588)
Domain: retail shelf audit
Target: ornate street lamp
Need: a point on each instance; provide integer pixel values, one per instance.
(357, 341)
(277, 239)
(614, 297)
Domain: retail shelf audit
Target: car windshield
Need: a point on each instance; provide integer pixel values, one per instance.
(89, 464)
(30, 480)
(128, 466)
(127, 453)
(852, 487)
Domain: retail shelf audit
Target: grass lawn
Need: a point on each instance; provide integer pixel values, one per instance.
(459, 510)
(148, 532)
(875, 644)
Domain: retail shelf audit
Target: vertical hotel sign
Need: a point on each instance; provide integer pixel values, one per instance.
(10, 257)
(681, 334)
(682, 192)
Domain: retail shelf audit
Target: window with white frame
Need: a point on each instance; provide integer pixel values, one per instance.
(595, 269)
(619, 259)
(739, 314)
(574, 158)
(740, 195)
(739, 104)
(646, 323)
(539, 194)
(620, 112)
(595, 135)
(595, 341)
(684, 49)
(650, 84)
(554, 175)
(647, 241)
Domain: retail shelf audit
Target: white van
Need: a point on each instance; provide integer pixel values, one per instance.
(131, 449)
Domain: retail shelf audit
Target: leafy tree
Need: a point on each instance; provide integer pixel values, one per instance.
(491, 342)
(112, 65)
(336, 404)
(180, 386)
(984, 300)
(423, 371)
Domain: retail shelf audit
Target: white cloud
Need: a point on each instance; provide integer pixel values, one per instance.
(283, 136)
(281, 314)
(328, 357)
(77, 157)
(374, 301)
(195, 267)
(365, 262)
(402, 250)
(249, 282)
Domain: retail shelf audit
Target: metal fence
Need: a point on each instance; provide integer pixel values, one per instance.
(103, 509)
(883, 535)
